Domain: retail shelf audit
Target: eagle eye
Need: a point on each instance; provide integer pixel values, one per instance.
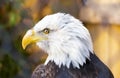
(46, 31)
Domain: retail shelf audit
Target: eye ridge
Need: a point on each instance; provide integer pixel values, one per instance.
(46, 30)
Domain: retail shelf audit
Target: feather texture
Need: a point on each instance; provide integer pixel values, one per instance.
(69, 48)
(68, 41)
(92, 69)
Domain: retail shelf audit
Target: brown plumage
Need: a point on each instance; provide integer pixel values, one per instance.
(93, 68)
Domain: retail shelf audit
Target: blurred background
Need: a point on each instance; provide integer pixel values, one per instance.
(101, 17)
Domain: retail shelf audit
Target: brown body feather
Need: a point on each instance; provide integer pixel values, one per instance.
(93, 68)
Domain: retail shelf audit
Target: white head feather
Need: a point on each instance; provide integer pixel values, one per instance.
(69, 42)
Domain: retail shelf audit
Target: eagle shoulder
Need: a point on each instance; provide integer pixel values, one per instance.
(44, 71)
(93, 68)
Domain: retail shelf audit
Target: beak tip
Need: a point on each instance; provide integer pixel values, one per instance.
(24, 43)
(23, 46)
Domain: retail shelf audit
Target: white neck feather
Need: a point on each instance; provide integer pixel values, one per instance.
(72, 48)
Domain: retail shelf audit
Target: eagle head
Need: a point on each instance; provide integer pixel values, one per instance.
(63, 38)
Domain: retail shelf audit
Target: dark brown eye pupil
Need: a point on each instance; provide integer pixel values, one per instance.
(46, 31)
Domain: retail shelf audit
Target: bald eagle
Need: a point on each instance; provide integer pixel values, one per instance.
(69, 47)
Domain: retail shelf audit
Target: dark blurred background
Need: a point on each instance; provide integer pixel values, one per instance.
(101, 17)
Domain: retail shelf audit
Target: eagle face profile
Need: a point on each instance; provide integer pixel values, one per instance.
(69, 47)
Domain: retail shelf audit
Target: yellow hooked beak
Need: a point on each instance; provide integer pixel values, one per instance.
(30, 37)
